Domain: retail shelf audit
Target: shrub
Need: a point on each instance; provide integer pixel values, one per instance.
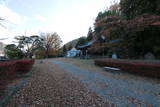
(139, 67)
(24, 65)
(10, 67)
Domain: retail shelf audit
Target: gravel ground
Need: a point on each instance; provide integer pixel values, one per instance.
(121, 92)
(119, 75)
(52, 86)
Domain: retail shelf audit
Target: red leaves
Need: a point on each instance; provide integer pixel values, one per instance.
(8, 71)
(24, 65)
(10, 67)
(139, 67)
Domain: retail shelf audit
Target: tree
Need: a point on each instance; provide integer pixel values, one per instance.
(90, 34)
(81, 41)
(50, 41)
(115, 7)
(114, 10)
(131, 33)
(28, 44)
(70, 47)
(133, 8)
(109, 15)
(64, 49)
(13, 52)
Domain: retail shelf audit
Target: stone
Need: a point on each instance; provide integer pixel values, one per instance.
(41, 62)
(114, 56)
(149, 56)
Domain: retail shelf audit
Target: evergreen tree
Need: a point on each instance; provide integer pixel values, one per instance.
(64, 49)
(81, 41)
(90, 34)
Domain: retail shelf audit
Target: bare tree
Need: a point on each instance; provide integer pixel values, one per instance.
(50, 41)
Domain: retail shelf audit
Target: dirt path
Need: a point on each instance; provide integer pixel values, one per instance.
(121, 92)
(52, 86)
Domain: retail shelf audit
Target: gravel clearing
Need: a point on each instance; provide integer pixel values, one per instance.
(121, 92)
(52, 86)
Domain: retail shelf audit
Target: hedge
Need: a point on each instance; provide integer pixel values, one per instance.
(24, 65)
(8, 70)
(139, 67)
(10, 67)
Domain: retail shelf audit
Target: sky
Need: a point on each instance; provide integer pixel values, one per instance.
(71, 19)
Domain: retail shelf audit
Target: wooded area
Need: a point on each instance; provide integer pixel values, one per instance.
(131, 29)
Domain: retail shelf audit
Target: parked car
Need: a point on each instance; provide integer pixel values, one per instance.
(3, 58)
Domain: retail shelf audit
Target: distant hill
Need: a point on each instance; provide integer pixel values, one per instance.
(71, 43)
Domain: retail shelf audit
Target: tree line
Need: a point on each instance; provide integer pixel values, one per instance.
(40, 46)
(128, 29)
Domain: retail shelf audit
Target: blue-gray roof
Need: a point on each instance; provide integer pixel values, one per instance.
(91, 42)
(116, 40)
(86, 44)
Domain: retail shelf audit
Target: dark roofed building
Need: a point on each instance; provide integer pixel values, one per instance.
(84, 48)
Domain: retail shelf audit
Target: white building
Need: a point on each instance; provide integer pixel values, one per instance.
(73, 52)
(1, 53)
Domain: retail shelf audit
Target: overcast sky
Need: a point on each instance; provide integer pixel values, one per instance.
(69, 18)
